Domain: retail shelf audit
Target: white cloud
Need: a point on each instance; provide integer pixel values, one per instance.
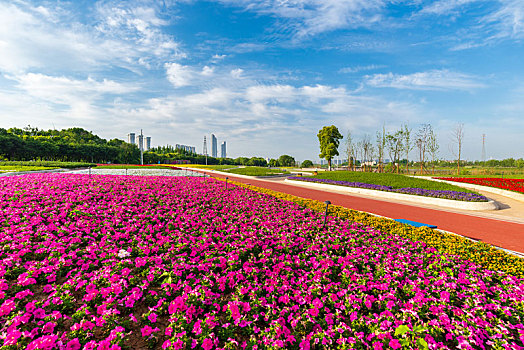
(50, 38)
(218, 57)
(507, 21)
(250, 118)
(237, 73)
(311, 17)
(445, 7)
(207, 71)
(63, 90)
(139, 26)
(357, 69)
(179, 75)
(431, 80)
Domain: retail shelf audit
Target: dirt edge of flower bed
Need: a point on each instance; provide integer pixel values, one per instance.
(448, 203)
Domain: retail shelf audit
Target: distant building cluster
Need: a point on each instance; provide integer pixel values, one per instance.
(189, 149)
(214, 147)
(143, 146)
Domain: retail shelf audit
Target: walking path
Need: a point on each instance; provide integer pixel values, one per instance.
(503, 228)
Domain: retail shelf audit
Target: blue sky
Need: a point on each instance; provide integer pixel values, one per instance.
(266, 75)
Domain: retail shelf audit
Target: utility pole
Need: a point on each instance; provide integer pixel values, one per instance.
(141, 139)
(205, 148)
(483, 147)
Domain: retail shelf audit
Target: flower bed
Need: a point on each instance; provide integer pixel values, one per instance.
(480, 253)
(110, 262)
(516, 185)
(454, 195)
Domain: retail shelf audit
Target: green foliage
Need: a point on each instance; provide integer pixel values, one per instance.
(68, 145)
(256, 171)
(388, 179)
(306, 164)
(285, 160)
(329, 138)
(274, 163)
(46, 164)
(9, 168)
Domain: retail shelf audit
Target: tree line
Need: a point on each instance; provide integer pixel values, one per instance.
(80, 145)
(370, 153)
(67, 145)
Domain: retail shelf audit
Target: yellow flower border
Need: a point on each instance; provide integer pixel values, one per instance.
(478, 252)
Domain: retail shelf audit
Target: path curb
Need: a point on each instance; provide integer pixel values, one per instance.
(448, 203)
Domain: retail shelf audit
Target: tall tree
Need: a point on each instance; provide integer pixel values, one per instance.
(457, 137)
(422, 143)
(286, 160)
(381, 146)
(408, 144)
(394, 144)
(367, 150)
(349, 150)
(433, 147)
(329, 139)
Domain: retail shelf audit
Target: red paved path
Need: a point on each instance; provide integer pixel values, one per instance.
(509, 235)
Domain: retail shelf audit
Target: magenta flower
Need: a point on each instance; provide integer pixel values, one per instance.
(207, 344)
(394, 344)
(146, 331)
(49, 327)
(152, 317)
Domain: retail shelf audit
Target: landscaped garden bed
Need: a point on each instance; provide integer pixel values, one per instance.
(256, 171)
(394, 183)
(110, 262)
(515, 185)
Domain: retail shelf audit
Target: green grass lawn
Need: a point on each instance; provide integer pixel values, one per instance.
(131, 166)
(17, 168)
(209, 167)
(45, 164)
(388, 179)
(256, 171)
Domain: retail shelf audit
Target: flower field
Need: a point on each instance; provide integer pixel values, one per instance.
(453, 195)
(125, 262)
(516, 185)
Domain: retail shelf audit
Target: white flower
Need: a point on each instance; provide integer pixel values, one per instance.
(123, 253)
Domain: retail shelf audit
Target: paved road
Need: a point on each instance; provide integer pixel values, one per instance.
(501, 232)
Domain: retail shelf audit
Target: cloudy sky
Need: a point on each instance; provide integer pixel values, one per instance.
(266, 75)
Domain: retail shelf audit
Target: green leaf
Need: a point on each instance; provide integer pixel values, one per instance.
(419, 329)
(422, 344)
(402, 329)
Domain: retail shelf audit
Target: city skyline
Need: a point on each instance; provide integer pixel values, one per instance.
(269, 74)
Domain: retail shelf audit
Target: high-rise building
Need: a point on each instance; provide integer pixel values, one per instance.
(214, 148)
(223, 150)
(148, 143)
(131, 138)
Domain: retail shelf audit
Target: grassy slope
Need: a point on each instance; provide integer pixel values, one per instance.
(46, 164)
(15, 168)
(256, 171)
(131, 166)
(387, 179)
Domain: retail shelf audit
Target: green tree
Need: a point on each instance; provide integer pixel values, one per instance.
(306, 164)
(329, 139)
(273, 163)
(285, 160)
